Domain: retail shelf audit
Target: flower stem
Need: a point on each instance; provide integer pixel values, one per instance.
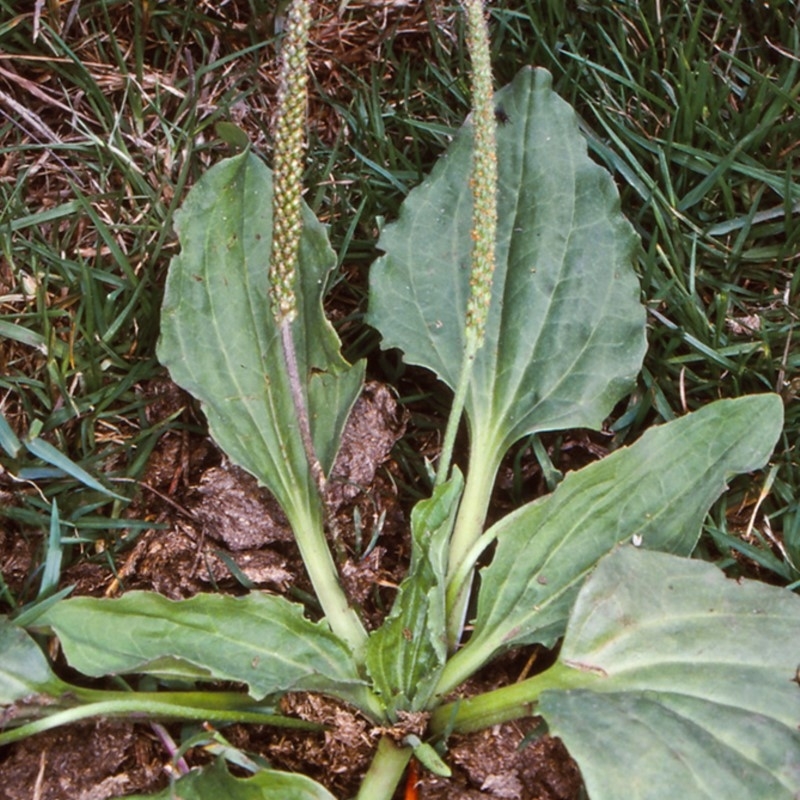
(316, 554)
(287, 223)
(456, 410)
(385, 771)
(300, 405)
(287, 219)
(483, 181)
(483, 464)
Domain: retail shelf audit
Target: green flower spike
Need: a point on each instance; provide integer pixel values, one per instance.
(484, 174)
(288, 163)
(483, 182)
(286, 209)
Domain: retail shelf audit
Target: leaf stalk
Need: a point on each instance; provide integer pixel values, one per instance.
(385, 771)
(345, 623)
(502, 705)
(202, 706)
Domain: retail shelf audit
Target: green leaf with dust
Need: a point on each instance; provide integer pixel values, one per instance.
(655, 492)
(220, 341)
(686, 683)
(566, 332)
(406, 654)
(24, 670)
(260, 640)
(216, 783)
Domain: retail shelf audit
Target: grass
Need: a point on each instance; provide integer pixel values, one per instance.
(108, 120)
(112, 111)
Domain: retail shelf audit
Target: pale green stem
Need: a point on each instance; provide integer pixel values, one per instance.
(463, 665)
(287, 213)
(300, 405)
(456, 411)
(287, 230)
(310, 537)
(462, 574)
(483, 465)
(505, 704)
(483, 181)
(385, 772)
(202, 706)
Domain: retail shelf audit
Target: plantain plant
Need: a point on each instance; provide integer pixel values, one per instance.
(509, 274)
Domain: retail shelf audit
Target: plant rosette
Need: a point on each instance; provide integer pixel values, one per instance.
(670, 678)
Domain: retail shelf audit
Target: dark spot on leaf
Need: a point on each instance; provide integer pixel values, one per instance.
(501, 116)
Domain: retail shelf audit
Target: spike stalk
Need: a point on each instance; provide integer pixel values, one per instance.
(287, 224)
(287, 214)
(483, 182)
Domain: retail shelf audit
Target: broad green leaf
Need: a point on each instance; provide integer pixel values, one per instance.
(655, 492)
(406, 654)
(24, 670)
(220, 342)
(688, 683)
(566, 332)
(216, 783)
(260, 640)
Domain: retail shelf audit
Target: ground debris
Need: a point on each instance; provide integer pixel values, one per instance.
(490, 764)
(232, 508)
(87, 761)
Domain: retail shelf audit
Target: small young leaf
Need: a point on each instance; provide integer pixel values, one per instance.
(406, 654)
(657, 491)
(688, 683)
(428, 757)
(232, 135)
(216, 783)
(260, 640)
